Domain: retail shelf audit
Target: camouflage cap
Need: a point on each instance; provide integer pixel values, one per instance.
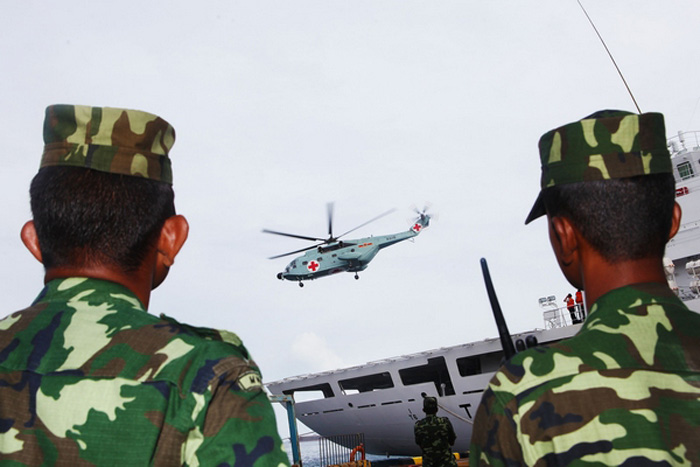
(430, 405)
(120, 141)
(605, 145)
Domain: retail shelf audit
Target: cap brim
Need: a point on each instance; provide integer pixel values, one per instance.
(537, 210)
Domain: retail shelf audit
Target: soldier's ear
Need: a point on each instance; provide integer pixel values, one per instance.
(31, 240)
(563, 238)
(570, 248)
(172, 237)
(675, 220)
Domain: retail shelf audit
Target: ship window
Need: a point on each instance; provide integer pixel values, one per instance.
(317, 391)
(469, 366)
(685, 170)
(491, 361)
(366, 383)
(435, 371)
(478, 364)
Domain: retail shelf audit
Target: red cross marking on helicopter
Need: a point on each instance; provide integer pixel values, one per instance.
(417, 227)
(313, 265)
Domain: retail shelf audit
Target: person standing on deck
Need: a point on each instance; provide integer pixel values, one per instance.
(579, 304)
(571, 306)
(435, 436)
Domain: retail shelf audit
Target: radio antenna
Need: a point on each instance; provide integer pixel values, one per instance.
(610, 55)
(503, 333)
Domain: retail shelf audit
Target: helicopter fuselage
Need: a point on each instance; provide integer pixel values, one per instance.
(342, 256)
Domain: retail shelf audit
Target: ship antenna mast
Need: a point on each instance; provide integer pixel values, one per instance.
(610, 55)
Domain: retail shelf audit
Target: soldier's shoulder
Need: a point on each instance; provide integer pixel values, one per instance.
(210, 355)
(30, 312)
(533, 368)
(423, 422)
(207, 338)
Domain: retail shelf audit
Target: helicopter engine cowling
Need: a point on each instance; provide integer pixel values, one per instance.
(359, 260)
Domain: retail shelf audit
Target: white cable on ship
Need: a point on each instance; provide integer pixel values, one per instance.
(454, 414)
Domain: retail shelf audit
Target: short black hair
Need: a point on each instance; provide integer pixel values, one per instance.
(87, 217)
(622, 218)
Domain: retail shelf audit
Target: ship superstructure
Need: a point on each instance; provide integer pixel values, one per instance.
(684, 249)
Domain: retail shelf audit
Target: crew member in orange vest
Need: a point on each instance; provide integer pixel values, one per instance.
(571, 305)
(579, 304)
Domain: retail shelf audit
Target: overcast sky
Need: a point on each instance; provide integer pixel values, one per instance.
(282, 106)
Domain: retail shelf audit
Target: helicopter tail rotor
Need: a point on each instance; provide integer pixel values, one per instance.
(423, 219)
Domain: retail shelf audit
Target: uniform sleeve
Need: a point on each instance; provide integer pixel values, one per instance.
(451, 436)
(494, 435)
(235, 423)
(418, 434)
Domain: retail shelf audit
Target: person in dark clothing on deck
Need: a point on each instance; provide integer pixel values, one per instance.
(435, 436)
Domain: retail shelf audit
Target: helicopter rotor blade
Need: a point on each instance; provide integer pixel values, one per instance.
(369, 221)
(313, 239)
(426, 207)
(329, 208)
(296, 251)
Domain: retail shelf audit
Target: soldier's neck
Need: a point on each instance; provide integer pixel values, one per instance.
(600, 277)
(138, 281)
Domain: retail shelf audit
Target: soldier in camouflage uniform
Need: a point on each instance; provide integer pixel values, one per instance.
(87, 376)
(626, 389)
(435, 436)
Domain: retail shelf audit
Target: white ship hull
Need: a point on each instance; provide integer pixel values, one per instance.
(383, 399)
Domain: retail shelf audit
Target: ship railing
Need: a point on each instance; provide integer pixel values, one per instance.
(687, 292)
(683, 142)
(561, 317)
(338, 449)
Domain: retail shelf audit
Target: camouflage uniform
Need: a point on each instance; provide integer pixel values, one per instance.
(435, 436)
(626, 389)
(88, 377)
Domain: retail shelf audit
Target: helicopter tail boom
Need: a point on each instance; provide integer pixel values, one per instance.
(422, 222)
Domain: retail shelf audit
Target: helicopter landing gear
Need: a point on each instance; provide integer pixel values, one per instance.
(357, 276)
(301, 284)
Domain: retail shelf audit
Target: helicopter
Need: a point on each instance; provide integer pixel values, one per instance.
(333, 255)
